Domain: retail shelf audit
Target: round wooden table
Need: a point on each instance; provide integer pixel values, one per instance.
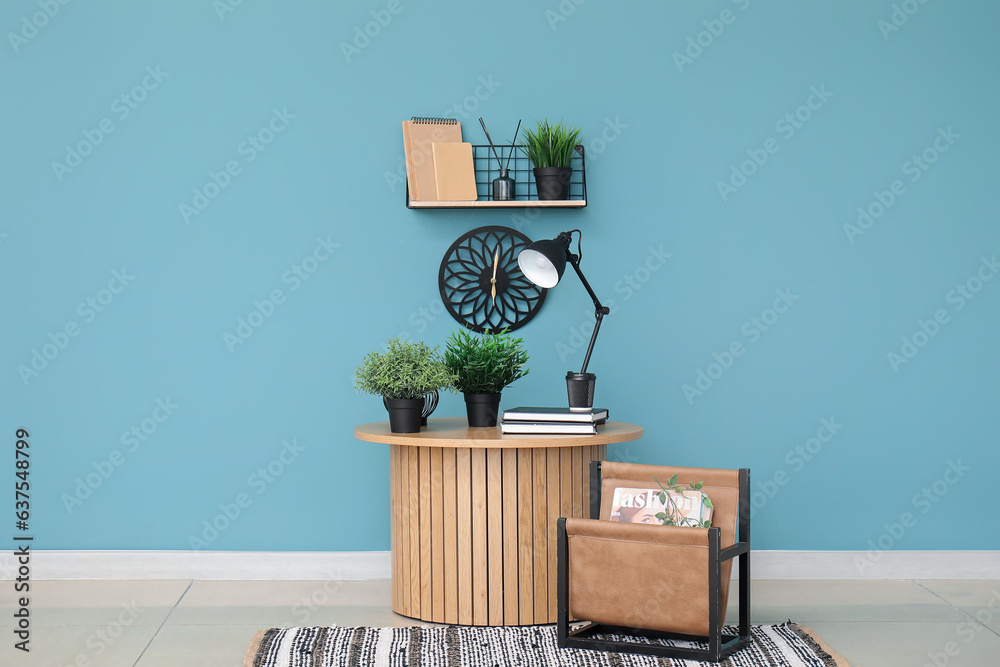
(474, 517)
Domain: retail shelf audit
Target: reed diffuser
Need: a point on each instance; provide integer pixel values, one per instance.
(503, 185)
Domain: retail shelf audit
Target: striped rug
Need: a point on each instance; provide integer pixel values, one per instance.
(785, 645)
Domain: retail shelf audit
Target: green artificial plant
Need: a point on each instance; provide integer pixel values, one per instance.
(485, 363)
(551, 145)
(404, 370)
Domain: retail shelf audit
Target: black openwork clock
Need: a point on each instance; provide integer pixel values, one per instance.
(482, 286)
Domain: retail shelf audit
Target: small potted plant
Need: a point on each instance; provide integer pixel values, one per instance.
(550, 148)
(483, 365)
(403, 375)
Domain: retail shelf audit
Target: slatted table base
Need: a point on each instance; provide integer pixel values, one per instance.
(473, 529)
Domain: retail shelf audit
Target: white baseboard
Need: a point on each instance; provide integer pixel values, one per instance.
(235, 565)
(375, 565)
(875, 565)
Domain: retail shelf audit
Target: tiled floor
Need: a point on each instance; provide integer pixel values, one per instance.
(210, 623)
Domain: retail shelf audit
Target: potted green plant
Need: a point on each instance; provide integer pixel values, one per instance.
(403, 375)
(483, 365)
(550, 148)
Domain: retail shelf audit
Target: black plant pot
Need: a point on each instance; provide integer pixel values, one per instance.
(404, 414)
(552, 183)
(482, 409)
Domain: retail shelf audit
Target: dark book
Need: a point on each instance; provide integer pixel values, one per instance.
(588, 415)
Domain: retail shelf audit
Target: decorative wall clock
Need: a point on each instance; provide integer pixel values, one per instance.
(482, 286)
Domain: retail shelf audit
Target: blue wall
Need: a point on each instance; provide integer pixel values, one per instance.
(739, 138)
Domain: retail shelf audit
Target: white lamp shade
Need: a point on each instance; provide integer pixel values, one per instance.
(543, 263)
(537, 268)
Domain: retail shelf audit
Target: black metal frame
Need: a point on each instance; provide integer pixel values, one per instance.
(521, 170)
(720, 645)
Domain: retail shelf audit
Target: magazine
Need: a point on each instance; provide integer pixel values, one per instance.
(682, 508)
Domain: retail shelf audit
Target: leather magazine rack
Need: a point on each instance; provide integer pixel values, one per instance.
(644, 582)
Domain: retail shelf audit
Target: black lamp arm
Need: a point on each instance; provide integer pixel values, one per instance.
(575, 261)
(599, 310)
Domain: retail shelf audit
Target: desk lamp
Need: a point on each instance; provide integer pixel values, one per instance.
(543, 263)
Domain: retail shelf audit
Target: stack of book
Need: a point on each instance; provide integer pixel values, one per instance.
(553, 420)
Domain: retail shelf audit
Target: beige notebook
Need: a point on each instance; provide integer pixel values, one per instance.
(418, 135)
(453, 172)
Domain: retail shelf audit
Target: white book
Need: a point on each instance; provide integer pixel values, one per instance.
(568, 428)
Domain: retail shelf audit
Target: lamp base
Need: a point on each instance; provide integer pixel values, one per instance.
(580, 388)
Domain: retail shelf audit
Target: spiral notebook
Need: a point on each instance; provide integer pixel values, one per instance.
(418, 135)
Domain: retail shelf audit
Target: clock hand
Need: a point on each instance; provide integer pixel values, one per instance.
(493, 280)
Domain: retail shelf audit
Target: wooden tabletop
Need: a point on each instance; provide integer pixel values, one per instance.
(456, 432)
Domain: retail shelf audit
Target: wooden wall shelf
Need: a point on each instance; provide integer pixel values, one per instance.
(517, 203)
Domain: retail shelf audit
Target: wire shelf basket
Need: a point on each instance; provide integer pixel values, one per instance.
(520, 169)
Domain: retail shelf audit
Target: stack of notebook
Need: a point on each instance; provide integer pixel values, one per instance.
(553, 420)
(438, 163)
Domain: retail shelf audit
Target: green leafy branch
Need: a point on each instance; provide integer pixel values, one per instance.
(666, 498)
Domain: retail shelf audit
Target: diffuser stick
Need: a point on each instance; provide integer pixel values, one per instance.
(513, 143)
(499, 162)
